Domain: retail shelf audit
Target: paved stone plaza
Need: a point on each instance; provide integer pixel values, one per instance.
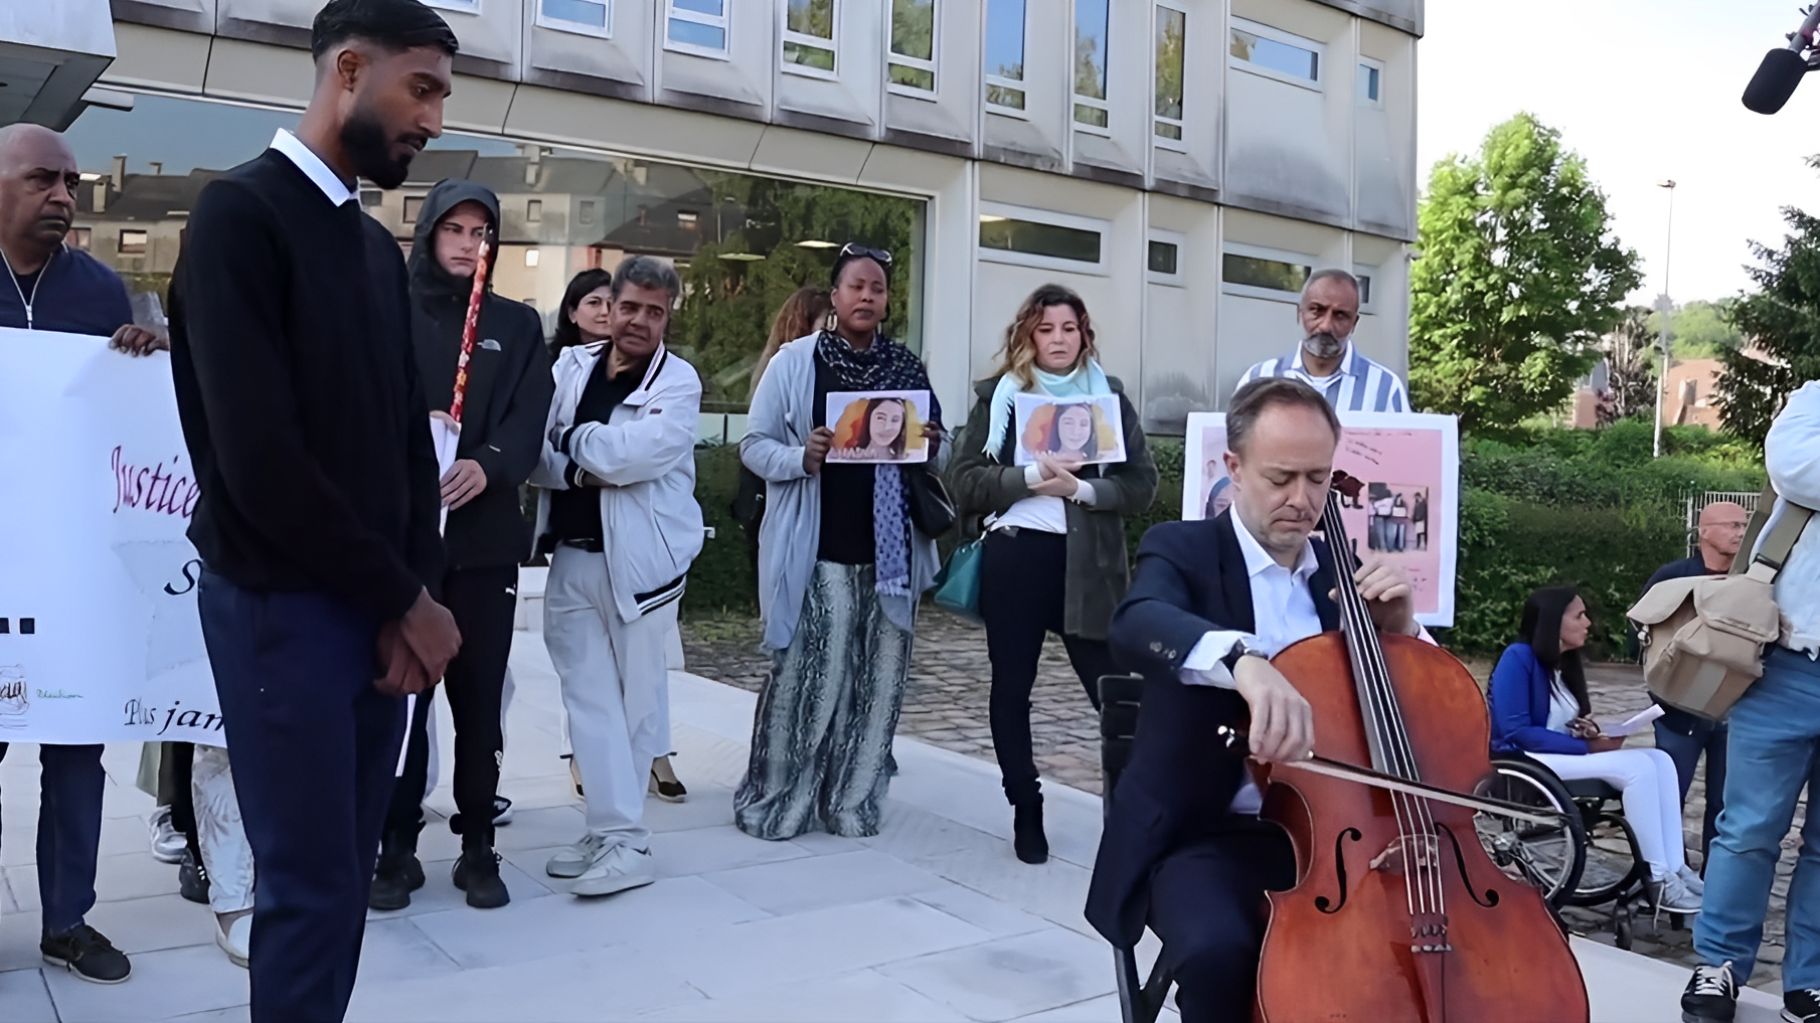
(932, 920)
(947, 703)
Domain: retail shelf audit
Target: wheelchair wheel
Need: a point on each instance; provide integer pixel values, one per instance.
(1613, 863)
(1549, 859)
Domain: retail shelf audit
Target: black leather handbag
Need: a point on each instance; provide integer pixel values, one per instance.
(931, 509)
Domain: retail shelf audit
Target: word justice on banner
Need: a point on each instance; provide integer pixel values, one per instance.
(99, 636)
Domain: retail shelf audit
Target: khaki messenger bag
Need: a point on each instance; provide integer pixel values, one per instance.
(1703, 637)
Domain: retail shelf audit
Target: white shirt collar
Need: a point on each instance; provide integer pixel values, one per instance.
(1345, 361)
(1258, 560)
(333, 188)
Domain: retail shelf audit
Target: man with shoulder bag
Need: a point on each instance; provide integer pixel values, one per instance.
(1775, 728)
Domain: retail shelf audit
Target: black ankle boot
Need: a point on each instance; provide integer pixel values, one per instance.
(398, 874)
(477, 873)
(1027, 836)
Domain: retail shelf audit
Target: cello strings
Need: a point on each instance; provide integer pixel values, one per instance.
(1368, 657)
(1417, 889)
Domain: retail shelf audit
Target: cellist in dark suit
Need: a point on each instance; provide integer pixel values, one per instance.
(1184, 851)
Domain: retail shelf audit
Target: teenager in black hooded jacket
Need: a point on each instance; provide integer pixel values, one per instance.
(486, 535)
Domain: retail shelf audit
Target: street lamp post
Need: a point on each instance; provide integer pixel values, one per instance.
(1668, 249)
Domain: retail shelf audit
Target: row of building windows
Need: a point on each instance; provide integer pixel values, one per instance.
(811, 31)
(1057, 241)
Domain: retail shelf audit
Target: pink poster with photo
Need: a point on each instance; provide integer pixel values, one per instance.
(1408, 511)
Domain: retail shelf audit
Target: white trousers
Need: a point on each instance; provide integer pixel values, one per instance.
(615, 690)
(1652, 798)
(675, 660)
(225, 852)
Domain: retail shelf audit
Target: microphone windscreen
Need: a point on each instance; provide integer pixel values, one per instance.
(1774, 81)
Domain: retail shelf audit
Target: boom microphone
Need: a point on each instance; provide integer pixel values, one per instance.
(1782, 69)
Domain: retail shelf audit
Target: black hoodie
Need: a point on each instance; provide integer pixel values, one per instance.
(509, 385)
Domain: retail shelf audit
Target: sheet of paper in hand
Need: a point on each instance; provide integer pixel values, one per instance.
(445, 436)
(1633, 724)
(99, 636)
(878, 427)
(1088, 430)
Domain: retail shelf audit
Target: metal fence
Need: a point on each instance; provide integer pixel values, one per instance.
(1697, 502)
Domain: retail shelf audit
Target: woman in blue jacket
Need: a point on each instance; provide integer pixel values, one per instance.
(1539, 707)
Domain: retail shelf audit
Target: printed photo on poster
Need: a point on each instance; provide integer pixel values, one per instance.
(879, 427)
(1088, 429)
(1408, 511)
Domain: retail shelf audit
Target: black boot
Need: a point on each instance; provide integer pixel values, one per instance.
(477, 873)
(1027, 836)
(398, 875)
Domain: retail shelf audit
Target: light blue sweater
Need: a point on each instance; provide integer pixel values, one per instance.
(781, 419)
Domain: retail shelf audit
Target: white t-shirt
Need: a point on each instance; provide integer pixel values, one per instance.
(1562, 707)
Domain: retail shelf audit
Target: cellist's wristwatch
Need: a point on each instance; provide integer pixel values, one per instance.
(1240, 650)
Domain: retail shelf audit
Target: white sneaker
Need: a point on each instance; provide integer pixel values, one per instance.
(620, 869)
(1671, 895)
(235, 939)
(168, 843)
(1692, 879)
(576, 860)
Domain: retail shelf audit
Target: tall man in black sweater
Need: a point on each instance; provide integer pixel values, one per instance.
(486, 537)
(300, 401)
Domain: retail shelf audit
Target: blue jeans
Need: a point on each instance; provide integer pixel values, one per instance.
(1773, 752)
(1709, 738)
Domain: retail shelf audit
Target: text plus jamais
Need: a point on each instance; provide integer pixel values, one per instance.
(155, 488)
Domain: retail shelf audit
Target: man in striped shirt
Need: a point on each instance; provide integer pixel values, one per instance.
(1326, 360)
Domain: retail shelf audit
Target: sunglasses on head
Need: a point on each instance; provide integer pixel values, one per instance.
(882, 257)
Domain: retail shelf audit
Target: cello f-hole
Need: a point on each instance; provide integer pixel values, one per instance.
(1322, 902)
(1491, 897)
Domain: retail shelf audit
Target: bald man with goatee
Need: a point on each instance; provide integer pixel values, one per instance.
(1681, 735)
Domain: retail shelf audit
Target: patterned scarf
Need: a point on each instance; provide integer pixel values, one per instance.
(886, 366)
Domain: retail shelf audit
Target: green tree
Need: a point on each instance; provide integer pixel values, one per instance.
(1631, 354)
(733, 285)
(1518, 279)
(1699, 329)
(1783, 319)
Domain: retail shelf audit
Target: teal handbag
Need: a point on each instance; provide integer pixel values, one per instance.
(957, 587)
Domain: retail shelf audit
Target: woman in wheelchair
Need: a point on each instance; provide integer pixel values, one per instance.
(1539, 707)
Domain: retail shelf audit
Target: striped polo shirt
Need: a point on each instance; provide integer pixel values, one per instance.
(1360, 385)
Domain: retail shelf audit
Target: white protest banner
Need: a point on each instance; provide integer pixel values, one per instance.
(99, 636)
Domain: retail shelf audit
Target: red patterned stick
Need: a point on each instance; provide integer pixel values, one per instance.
(468, 329)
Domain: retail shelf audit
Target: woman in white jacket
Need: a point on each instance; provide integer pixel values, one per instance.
(618, 511)
(841, 566)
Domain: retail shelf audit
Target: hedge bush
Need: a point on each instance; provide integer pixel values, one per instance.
(1581, 507)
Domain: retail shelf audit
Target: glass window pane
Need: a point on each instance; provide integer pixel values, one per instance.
(1264, 273)
(1364, 288)
(1276, 56)
(913, 77)
(1090, 31)
(714, 7)
(694, 33)
(809, 56)
(1171, 37)
(1038, 239)
(1084, 114)
(1005, 40)
(1368, 83)
(913, 28)
(998, 95)
(582, 12)
(1169, 131)
(1163, 257)
(811, 18)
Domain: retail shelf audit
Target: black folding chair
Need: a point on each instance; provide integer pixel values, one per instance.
(1120, 695)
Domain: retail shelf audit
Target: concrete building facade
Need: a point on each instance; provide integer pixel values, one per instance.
(1183, 164)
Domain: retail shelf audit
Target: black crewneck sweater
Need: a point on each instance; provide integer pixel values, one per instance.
(299, 395)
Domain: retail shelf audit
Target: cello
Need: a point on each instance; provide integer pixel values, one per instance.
(1398, 914)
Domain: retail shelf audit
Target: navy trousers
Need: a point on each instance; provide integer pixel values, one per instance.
(314, 747)
(71, 784)
(1207, 907)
